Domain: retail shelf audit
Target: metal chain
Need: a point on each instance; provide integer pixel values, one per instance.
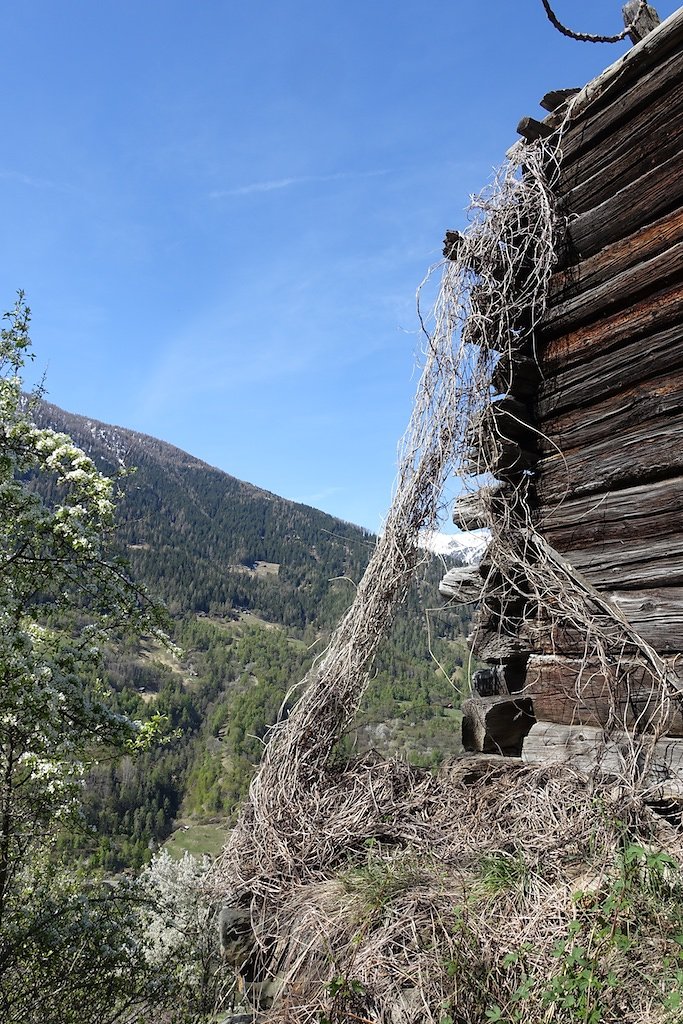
(586, 37)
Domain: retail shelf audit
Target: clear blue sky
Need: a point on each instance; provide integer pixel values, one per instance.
(220, 211)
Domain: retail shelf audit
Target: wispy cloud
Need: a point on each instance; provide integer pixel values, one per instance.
(280, 183)
(31, 182)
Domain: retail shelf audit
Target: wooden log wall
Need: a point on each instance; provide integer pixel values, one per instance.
(604, 389)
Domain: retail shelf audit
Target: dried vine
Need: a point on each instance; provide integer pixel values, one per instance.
(310, 820)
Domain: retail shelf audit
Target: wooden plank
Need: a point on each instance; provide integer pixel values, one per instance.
(531, 129)
(589, 750)
(657, 312)
(642, 564)
(496, 639)
(516, 375)
(557, 98)
(470, 511)
(642, 511)
(644, 452)
(639, 19)
(603, 106)
(646, 138)
(499, 680)
(614, 416)
(585, 747)
(641, 359)
(657, 615)
(649, 258)
(496, 724)
(575, 692)
(637, 204)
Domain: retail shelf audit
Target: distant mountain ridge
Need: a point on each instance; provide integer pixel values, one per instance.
(190, 530)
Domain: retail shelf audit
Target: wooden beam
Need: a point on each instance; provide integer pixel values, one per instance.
(657, 615)
(642, 358)
(462, 585)
(653, 258)
(517, 376)
(641, 512)
(637, 204)
(557, 98)
(576, 692)
(657, 312)
(531, 129)
(471, 511)
(585, 747)
(646, 139)
(496, 724)
(644, 452)
(502, 677)
(639, 19)
(611, 100)
(589, 750)
(613, 417)
(641, 565)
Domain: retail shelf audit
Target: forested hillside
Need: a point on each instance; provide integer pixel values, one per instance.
(253, 584)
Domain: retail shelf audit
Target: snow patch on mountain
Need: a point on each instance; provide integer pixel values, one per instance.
(466, 546)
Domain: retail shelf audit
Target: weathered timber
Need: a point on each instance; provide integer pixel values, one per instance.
(557, 98)
(496, 724)
(637, 204)
(639, 19)
(516, 375)
(462, 585)
(640, 512)
(497, 639)
(592, 300)
(624, 695)
(657, 615)
(580, 384)
(597, 113)
(645, 452)
(642, 139)
(626, 410)
(657, 312)
(508, 418)
(640, 565)
(589, 750)
(586, 747)
(531, 129)
(503, 459)
(471, 511)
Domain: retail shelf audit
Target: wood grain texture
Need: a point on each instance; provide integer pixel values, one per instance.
(602, 284)
(636, 204)
(641, 402)
(639, 454)
(659, 311)
(496, 724)
(639, 359)
(573, 692)
(587, 748)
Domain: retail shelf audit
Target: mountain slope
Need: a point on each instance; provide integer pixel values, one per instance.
(254, 584)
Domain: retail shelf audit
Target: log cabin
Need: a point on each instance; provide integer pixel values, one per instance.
(588, 413)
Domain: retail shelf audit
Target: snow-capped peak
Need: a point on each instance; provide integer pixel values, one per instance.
(469, 546)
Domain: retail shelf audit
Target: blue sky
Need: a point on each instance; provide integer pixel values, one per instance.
(220, 212)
